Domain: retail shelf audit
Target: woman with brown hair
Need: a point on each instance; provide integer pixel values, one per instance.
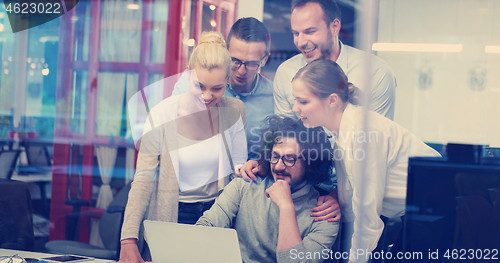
(371, 152)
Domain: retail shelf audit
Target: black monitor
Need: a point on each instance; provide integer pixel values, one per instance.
(452, 211)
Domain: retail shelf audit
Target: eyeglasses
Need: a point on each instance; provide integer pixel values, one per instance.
(249, 65)
(288, 161)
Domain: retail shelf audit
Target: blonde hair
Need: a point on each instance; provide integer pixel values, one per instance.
(211, 53)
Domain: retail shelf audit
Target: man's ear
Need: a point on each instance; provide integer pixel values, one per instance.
(335, 27)
(264, 61)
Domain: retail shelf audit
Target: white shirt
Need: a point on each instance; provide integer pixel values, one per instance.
(372, 169)
(198, 169)
(353, 62)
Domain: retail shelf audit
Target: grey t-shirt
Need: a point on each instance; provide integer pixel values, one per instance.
(245, 207)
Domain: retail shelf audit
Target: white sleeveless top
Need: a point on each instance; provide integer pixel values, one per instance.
(198, 169)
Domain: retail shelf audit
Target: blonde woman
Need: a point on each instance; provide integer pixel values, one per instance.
(190, 145)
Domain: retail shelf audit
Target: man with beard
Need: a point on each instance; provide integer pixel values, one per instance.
(272, 214)
(315, 27)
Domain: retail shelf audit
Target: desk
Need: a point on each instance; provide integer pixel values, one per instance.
(33, 178)
(27, 254)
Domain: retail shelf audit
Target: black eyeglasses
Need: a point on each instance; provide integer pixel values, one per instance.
(288, 161)
(249, 65)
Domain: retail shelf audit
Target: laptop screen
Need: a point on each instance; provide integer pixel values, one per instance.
(173, 242)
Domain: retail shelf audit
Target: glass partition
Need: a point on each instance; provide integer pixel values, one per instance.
(81, 21)
(159, 32)
(208, 22)
(79, 104)
(120, 31)
(67, 82)
(7, 76)
(446, 67)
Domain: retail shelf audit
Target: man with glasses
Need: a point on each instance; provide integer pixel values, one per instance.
(271, 214)
(249, 43)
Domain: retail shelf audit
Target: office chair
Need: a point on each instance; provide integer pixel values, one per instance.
(476, 226)
(38, 157)
(16, 216)
(39, 163)
(8, 160)
(109, 229)
(495, 200)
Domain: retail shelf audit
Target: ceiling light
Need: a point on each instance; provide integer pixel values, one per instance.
(133, 6)
(417, 47)
(492, 49)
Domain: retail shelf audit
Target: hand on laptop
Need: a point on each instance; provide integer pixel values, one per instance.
(129, 252)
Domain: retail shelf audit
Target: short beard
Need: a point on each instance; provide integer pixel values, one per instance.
(327, 49)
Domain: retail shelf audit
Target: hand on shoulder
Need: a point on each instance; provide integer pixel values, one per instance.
(328, 208)
(248, 171)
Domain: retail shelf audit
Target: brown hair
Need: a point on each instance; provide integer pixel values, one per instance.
(211, 53)
(325, 77)
(330, 8)
(250, 29)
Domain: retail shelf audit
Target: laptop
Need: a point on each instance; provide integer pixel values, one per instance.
(180, 243)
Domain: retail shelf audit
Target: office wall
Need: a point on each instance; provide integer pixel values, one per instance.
(445, 97)
(250, 8)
